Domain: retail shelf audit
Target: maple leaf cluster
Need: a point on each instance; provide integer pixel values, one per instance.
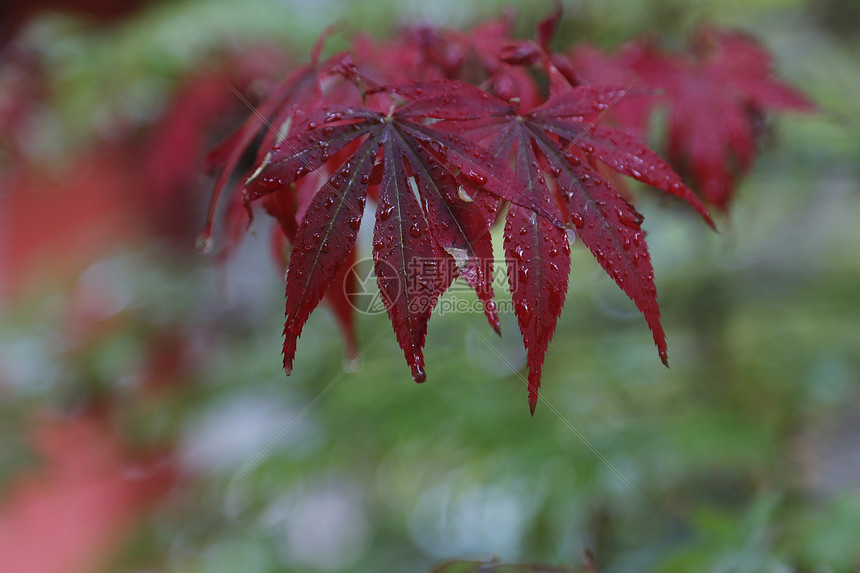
(449, 132)
(717, 93)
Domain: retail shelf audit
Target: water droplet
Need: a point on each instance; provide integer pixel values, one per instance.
(385, 212)
(418, 373)
(524, 273)
(629, 218)
(524, 312)
(294, 327)
(415, 231)
(571, 238)
(270, 183)
(476, 177)
(578, 220)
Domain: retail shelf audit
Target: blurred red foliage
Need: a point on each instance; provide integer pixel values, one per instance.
(15, 13)
(69, 514)
(53, 226)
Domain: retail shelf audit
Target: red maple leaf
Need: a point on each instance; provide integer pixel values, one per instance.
(554, 149)
(717, 95)
(292, 96)
(414, 247)
(422, 161)
(465, 129)
(420, 150)
(425, 53)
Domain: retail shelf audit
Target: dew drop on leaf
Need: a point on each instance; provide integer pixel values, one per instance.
(628, 218)
(418, 373)
(385, 212)
(524, 312)
(476, 177)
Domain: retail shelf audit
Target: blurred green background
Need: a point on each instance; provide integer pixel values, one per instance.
(744, 456)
